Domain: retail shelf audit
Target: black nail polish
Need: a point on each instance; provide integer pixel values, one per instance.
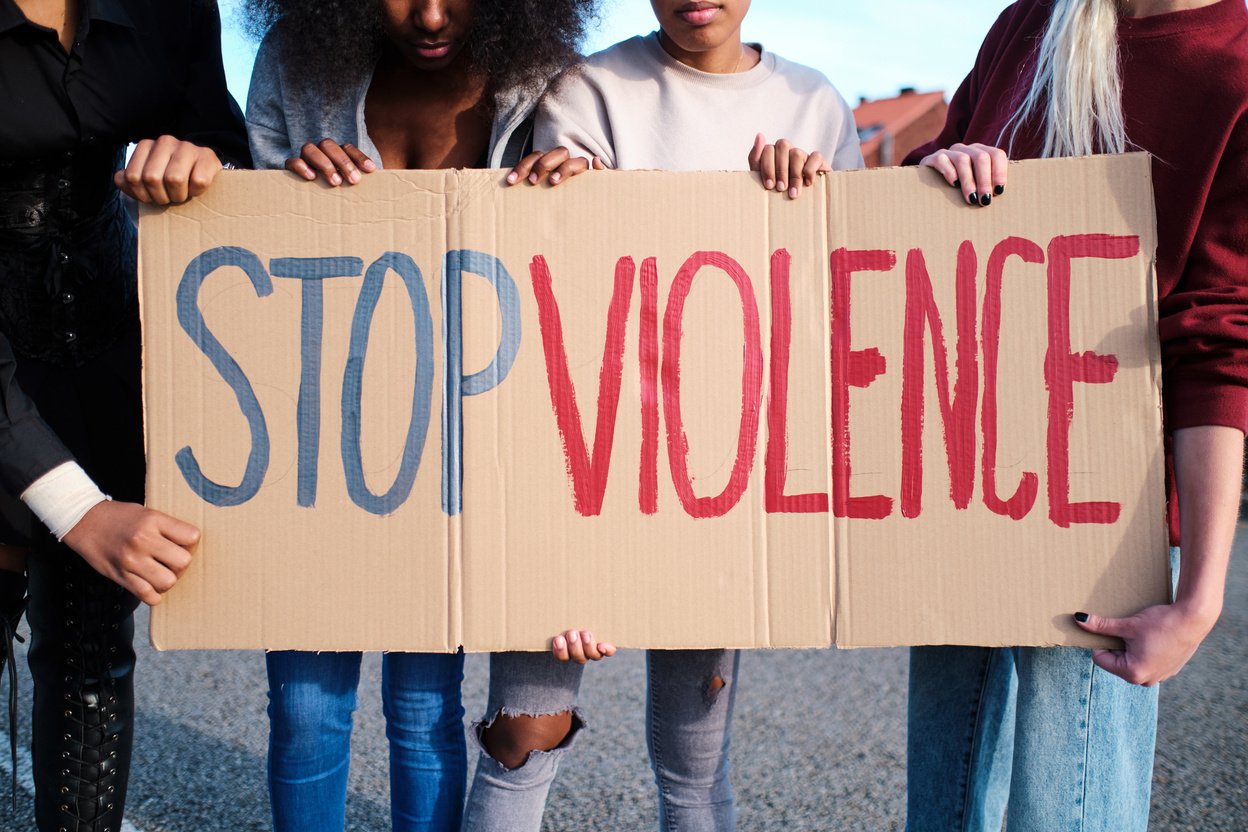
(1000, 189)
(957, 183)
(985, 200)
(1081, 617)
(974, 199)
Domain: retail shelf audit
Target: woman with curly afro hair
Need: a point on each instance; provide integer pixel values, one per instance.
(342, 88)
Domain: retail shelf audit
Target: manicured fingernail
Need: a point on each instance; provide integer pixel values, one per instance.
(957, 183)
(574, 636)
(985, 200)
(512, 177)
(354, 176)
(555, 177)
(533, 178)
(974, 199)
(780, 186)
(792, 193)
(335, 179)
(1081, 617)
(1000, 189)
(560, 643)
(769, 184)
(588, 637)
(369, 165)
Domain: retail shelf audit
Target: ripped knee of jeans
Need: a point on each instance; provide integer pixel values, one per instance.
(714, 686)
(511, 738)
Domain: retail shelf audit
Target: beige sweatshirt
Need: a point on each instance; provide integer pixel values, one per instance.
(638, 108)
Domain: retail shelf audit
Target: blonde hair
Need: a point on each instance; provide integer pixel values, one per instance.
(1077, 86)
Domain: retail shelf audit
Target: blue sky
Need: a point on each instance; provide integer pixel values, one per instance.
(866, 48)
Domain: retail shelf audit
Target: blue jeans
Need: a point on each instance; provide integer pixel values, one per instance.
(688, 717)
(1042, 732)
(312, 698)
(1039, 731)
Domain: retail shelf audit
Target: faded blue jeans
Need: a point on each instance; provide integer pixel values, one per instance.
(1040, 731)
(688, 717)
(312, 699)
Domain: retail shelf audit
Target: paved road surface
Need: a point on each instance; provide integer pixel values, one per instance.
(819, 742)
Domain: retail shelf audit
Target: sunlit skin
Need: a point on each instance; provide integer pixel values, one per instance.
(54, 14)
(705, 34)
(427, 107)
(429, 35)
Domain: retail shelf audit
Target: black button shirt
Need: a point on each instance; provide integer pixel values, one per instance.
(137, 69)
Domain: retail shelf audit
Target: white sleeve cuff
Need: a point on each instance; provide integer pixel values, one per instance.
(62, 497)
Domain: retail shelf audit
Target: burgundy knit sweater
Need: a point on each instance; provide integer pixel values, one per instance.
(1185, 97)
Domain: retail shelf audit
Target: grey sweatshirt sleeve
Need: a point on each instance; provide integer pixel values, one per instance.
(266, 118)
(575, 116)
(848, 146)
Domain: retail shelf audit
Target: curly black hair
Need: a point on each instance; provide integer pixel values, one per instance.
(515, 43)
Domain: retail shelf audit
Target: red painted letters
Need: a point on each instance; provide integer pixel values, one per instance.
(1063, 368)
(778, 406)
(957, 414)
(751, 387)
(648, 482)
(852, 368)
(1018, 506)
(587, 475)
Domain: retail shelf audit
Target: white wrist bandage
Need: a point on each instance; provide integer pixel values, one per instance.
(62, 497)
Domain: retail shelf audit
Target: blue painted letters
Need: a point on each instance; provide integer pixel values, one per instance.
(457, 384)
(192, 321)
(352, 385)
(312, 270)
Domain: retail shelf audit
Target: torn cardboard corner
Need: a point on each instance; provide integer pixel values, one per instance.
(431, 411)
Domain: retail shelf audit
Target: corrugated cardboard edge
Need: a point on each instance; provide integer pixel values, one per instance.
(145, 211)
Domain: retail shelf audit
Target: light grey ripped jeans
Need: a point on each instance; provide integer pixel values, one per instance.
(688, 717)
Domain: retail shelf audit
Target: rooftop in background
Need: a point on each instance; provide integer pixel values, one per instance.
(889, 128)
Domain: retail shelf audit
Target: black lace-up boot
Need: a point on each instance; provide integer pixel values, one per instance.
(82, 662)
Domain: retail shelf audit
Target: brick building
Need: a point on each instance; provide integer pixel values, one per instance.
(891, 127)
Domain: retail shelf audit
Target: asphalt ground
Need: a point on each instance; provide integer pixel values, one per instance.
(819, 741)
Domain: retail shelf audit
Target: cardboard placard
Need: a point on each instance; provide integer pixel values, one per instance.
(431, 411)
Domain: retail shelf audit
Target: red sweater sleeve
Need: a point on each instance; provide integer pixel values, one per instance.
(1204, 318)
